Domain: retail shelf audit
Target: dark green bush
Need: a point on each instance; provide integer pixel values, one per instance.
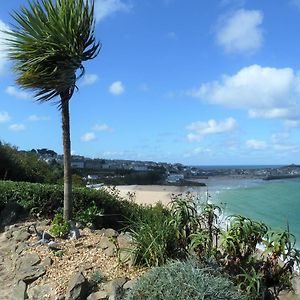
(89, 214)
(181, 281)
(46, 200)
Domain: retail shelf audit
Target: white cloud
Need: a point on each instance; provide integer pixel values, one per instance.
(12, 91)
(88, 137)
(35, 118)
(200, 129)
(105, 8)
(241, 32)
(16, 127)
(270, 113)
(117, 88)
(291, 124)
(4, 117)
(282, 144)
(89, 79)
(102, 127)
(3, 47)
(256, 144)
(265, 92)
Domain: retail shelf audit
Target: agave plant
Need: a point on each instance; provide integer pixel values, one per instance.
(241, 239)
(184, 218)
(48, 44)
(280, 258)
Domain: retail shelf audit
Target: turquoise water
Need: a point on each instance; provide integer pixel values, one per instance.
(273, 202)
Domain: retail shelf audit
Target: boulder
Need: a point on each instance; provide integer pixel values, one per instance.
(107, 246)
(105, 242)
(21, 247)
(126, 249)
(11, 212)
(109, 232)
(114, 288)
(129, 284)
(21, 235)
(30, 274)
(125, 240)
(27, 261)
(19, 291)
(77, 287)
(38, 292)
(101, 295)
(110, 251)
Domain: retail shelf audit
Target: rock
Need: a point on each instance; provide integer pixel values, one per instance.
(11, 212)
(107, 246)
(21, 235)
(27, 261)
(129, 284)
(30, 274)
(77, 287)
(110, 251)
(10, 227)
(99, 231)
(19, 292)
(125, 240)
(40, 291)
(101, 295)
(110, 232)
(115, 288)
(20, 248)
(126, 249)
(105, 242)
(8, 234)
(47, 262)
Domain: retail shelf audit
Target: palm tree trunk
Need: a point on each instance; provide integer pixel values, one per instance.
(68, 201)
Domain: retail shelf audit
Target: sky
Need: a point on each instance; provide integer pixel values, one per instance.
(189, 81)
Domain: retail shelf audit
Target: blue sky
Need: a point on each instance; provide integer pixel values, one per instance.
(196, 82)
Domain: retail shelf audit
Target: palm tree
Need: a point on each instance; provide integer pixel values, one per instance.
(48, 44)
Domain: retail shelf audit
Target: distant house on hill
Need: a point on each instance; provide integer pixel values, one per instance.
(173, 178)
(77, 164)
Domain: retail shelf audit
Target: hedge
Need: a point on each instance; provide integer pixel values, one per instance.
(46, 200)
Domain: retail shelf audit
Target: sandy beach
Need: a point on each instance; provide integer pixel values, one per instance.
(151, 194)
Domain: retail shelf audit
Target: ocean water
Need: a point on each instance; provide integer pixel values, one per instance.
(273, 202)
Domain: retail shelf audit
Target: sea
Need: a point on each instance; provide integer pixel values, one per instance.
(274, 202)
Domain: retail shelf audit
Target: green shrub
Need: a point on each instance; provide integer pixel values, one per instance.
(89, 214)
(59, 227)
(183, 280)
(45, 200)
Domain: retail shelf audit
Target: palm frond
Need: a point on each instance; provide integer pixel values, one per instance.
(48, 43)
